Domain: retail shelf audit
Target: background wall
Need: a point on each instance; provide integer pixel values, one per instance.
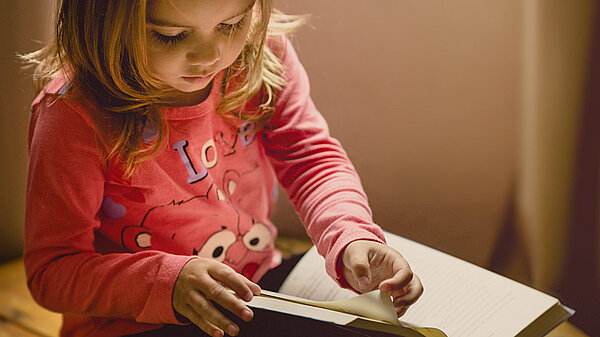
(25, 24)
(425, 97)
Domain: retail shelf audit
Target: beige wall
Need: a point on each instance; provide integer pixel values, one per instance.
(23, 22)
(424, 96)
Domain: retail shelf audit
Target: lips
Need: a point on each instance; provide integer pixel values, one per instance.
(198, 76)
(198, 79)
(249, 270)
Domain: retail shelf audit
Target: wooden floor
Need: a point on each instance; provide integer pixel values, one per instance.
(20, 316)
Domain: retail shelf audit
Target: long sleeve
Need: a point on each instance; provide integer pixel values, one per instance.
(315, 171)
(64, 196)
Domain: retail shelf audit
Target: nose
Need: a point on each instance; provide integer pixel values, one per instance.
(204, 53)
(236, 252)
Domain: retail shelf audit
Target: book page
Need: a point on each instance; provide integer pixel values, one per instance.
(374, 305)
(293, 308)
(368, 303)
(460, 298)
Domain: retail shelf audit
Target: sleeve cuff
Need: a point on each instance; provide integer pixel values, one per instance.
(159, 306)
(333, 261)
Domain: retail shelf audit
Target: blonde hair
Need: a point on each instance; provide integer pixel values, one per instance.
(100, 45)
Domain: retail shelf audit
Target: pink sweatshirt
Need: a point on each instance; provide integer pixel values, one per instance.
(106, 251)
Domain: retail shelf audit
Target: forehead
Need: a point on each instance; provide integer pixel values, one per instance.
(195, 12)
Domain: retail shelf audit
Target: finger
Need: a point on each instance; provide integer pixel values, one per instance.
(412, 293)
(401, 310)
(358, 264)
(213, 290)
(213, 317)
(200, 322)
(399, 293)
(405, 300)
(253, 286)
(401, 278)
(243, 287)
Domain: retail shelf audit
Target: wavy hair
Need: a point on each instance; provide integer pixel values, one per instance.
(100, 46)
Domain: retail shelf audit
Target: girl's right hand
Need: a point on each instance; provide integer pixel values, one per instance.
(203, 280)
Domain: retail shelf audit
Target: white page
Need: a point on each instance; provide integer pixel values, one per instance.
(374, 304)
(460, 298)
(301, 310)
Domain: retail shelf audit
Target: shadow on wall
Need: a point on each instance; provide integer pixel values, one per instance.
(27, 23)
(584, 240)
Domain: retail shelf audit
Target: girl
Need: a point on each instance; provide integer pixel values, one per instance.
(155, 146)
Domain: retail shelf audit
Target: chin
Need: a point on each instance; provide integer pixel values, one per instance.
(191, 88)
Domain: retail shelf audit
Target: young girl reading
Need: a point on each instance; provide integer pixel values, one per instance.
(156, 146)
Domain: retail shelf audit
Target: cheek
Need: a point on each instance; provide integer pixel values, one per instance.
(162, 62)
(235, 46)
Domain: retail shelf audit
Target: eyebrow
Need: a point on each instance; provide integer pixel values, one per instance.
(155, 22)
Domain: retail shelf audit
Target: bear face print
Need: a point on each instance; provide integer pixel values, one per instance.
(207, 226)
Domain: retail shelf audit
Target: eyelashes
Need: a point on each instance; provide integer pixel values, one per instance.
(232, 28)
(224, 28)
(168, 39)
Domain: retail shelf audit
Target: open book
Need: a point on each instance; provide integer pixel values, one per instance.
(371, 311)
(460, 299)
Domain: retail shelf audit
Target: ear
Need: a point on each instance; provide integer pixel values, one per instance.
(230, 182)
(215, 193)
(136, 238)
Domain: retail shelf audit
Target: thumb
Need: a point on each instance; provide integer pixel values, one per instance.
(358, 264)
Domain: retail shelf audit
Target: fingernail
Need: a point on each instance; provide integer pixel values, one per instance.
(363, 282)
(385, 287)
(232, 330)
(247, 315)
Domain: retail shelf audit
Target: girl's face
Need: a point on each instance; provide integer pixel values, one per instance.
(190, 41)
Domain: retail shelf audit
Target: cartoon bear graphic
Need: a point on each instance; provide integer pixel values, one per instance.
(207, 226)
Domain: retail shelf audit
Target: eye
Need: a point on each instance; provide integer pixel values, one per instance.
(231, 28)
(143, 240)
(257, 238)
(168, 39)
(217, 245)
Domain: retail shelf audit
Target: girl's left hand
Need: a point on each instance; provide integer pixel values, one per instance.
(369, 265)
